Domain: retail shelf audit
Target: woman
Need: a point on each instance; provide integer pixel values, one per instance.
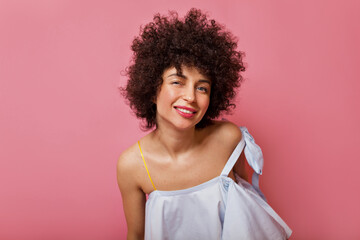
(184, 74)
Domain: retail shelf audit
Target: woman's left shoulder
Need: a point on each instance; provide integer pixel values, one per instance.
(227, 131)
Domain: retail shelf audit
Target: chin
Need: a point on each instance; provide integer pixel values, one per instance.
(185, 126)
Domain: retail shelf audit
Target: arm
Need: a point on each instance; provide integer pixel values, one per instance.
(233, 135)
(242, 168)
(133, 198)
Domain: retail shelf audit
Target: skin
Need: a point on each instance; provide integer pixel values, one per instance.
(178, 156)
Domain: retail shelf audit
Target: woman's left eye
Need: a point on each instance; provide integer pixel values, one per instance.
(202, 89)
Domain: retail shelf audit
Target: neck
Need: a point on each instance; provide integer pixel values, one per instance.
(175, 141)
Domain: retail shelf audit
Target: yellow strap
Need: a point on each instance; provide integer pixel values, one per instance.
(146, 166)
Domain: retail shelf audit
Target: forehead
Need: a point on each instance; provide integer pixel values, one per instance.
(186, 72)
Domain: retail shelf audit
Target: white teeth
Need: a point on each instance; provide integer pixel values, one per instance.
(184, 110)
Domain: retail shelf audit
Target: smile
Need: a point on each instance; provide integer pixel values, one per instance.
(185, 111)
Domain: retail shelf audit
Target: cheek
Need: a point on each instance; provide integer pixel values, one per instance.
(165, 97)
(204, 102)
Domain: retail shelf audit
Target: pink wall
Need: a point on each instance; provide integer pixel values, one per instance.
(63, 123)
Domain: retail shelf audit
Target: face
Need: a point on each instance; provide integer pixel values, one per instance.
(183, 99)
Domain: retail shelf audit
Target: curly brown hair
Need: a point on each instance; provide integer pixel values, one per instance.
(194, 41)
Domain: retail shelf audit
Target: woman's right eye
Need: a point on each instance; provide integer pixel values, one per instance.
(175, 82)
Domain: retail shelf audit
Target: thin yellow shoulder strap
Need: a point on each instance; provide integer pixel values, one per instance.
(146, 166)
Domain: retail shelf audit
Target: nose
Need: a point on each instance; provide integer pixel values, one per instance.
(189, 93)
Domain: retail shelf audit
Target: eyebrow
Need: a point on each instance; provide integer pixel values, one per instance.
(183, 76)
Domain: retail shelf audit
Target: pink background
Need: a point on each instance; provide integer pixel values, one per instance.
(63, 123)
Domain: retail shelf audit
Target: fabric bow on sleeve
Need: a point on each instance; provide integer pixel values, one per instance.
(252, 152)
(254, 158)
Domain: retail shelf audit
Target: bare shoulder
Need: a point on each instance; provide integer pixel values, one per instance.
(125, 159)
(128, 164)
(227, 132)
(229, 135)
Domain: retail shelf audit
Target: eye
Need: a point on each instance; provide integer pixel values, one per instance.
(177, 82)
(203, 89)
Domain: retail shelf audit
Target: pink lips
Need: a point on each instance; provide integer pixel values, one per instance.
(185, 114)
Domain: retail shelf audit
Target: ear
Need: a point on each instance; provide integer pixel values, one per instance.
(154, 100)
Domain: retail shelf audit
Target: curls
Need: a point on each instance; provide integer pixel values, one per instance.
(194, 41)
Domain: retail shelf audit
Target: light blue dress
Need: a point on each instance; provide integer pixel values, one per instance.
(217, 209)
